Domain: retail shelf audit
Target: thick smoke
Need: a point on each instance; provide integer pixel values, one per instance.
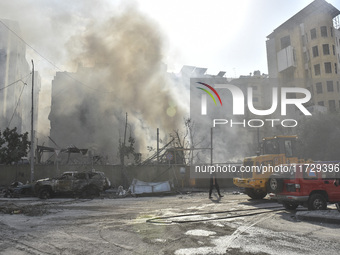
(114, 54)
(125, 73)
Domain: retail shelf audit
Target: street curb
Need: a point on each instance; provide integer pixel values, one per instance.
(327, 216)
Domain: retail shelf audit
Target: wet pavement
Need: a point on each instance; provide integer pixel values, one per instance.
(178, 224)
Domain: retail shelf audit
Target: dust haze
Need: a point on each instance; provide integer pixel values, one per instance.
(115, 60)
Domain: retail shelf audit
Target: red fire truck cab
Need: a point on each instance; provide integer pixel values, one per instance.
(310, 185)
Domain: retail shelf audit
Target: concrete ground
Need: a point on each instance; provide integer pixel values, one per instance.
(178, 224)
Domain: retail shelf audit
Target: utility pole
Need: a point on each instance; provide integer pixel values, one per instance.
(157, 145)
(32, 128)
(123, 149)
(211, 152)
(124, 177)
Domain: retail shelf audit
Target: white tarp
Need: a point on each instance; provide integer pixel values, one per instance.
(140, 187)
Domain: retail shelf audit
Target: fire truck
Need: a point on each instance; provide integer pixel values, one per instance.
(258, 178)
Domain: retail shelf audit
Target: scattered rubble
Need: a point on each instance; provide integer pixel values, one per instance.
(28, 210)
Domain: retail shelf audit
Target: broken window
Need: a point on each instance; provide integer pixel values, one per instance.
(66, 176)
(81, 176)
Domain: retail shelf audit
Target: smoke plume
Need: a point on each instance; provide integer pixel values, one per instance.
(123, 58)
(115, 56)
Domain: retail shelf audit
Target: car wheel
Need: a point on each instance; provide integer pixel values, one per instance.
(255, 193)
(275, 184)
(317, 202)
(45, 193)
(90, 192)
(290, 205)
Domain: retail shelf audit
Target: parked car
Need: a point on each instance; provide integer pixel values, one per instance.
(84, 184)
(306, 185)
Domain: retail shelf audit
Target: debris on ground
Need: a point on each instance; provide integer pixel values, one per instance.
(28, 210)
(140, 187)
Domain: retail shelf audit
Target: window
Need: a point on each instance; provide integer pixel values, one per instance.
(318, 87)
(315, 51)
(335, 68)
(313, 33)
(271, 147)
(333, 46)
(328, 67)
(66, 176)
(309, 172)
(317, 69)
(321, 103)
(81, 176)
(285, 42)
(331, 105)
(330, 87)
(331, 31)
(337, 85)
(325, 48)
(323, 31)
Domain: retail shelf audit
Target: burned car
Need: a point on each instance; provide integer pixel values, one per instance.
(83, 184)
(18, 189)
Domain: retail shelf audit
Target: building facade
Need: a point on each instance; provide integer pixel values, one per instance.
(305, 52)
(16, 81)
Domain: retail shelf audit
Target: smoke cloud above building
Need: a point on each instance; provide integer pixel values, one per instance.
(115, 66)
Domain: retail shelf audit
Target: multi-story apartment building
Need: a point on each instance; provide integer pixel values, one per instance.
(305, 52)
(16, 81)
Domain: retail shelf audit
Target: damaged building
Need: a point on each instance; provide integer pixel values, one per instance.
(77, 120)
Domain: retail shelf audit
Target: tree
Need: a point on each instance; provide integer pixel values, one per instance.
(185, 141)
(13, 146)
(126, 151)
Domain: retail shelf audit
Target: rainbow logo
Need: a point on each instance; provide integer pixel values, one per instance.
(209, 93)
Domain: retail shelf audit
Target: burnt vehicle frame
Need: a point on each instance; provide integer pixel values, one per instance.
(73, 183)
